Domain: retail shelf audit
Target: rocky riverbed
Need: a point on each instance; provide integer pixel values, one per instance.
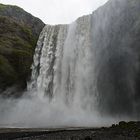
(121, 131)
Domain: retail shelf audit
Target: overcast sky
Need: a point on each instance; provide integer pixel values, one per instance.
(57, 11)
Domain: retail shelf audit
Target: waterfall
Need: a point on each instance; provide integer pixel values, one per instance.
(63, 63)
(85, 73)
(81, 65)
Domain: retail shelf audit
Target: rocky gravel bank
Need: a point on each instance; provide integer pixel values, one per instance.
(121, 131)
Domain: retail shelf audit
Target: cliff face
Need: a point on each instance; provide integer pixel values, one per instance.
(19, 32)
(117, 32)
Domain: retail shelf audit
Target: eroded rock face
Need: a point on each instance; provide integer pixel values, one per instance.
(19, 32)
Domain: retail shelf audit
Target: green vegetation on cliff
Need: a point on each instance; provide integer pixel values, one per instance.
(18, 37)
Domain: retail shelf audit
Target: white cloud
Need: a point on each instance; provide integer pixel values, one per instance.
(57, 11)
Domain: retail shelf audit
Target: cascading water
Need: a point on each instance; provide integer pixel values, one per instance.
(62, 63)
(85, 73)
(79, 65)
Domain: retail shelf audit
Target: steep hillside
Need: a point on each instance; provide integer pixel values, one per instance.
(22, 17)
(19, 32)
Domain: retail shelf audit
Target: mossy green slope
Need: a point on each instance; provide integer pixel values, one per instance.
(17, 43)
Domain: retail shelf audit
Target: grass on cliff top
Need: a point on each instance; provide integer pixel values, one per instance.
(4, 6)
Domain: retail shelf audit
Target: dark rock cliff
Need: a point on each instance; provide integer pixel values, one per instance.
(19, 32)
(117, 32)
